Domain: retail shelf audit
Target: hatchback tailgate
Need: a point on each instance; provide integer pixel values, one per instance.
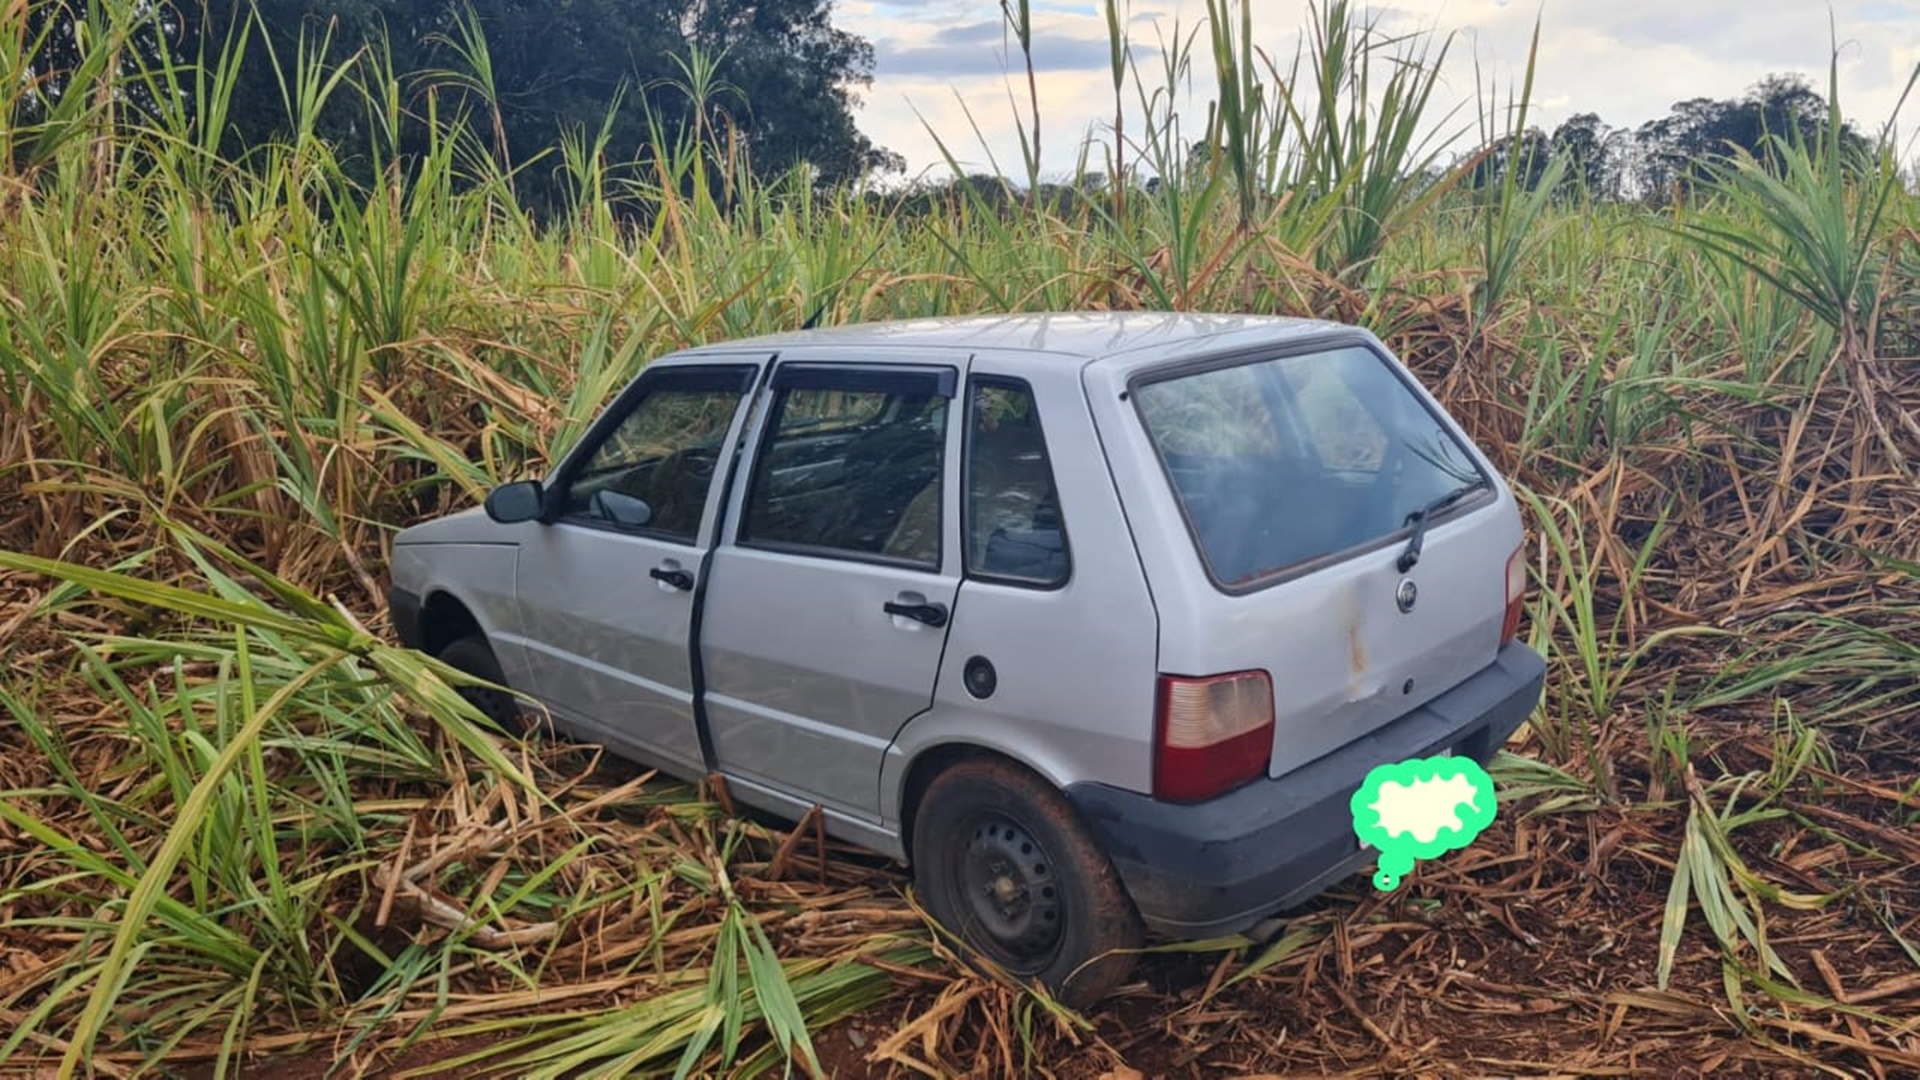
(1330, 525)
(1383, 642)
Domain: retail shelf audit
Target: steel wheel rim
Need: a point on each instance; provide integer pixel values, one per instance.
(1004, 884)
(493, 704)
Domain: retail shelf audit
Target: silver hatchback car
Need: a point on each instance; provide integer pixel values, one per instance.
(1096, 620)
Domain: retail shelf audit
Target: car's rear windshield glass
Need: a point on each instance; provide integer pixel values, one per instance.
(1287, 461)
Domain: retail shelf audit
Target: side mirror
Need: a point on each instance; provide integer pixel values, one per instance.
(523, 500)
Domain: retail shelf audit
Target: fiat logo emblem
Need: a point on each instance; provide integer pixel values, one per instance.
(1407, 595)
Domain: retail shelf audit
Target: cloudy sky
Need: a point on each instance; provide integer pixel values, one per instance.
(936, 61)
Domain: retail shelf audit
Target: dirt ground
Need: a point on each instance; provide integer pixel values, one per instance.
(1530, 954)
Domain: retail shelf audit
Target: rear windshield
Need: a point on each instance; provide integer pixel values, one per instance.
(1287, 461)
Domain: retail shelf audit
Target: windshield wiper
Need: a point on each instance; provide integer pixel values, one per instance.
(1419, 518)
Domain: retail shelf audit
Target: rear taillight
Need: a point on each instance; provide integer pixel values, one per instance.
(1211, 735)
(1516, 592)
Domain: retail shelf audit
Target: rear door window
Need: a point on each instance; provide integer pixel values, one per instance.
(1284, 462)
(852, 467)
(1013, 529)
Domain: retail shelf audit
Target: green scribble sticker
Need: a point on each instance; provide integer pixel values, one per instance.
(1420, 809)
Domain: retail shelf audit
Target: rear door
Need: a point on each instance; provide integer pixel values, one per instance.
(606, 591)
(831, 590)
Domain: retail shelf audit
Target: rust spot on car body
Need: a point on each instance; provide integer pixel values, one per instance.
(1356, 645)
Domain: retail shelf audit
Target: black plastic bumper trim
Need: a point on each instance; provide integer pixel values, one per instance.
(1219, 867)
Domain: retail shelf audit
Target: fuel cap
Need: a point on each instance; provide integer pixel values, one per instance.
(980, 677)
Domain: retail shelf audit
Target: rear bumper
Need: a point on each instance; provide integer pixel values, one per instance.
(1218, 868)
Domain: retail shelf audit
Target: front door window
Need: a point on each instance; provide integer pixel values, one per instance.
(653, 472)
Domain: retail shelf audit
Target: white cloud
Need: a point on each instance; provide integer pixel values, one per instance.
(1627, 60)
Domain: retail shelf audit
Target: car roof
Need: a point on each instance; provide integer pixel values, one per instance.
(1078, 334)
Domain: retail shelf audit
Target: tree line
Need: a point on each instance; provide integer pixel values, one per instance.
(1667, 157)
(776, 75)
(1660, 161)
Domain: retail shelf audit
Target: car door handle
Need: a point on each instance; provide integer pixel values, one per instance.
(931, 614)
(679, 579)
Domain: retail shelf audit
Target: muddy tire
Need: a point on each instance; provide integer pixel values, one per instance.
(1002, 862)
(474, 656)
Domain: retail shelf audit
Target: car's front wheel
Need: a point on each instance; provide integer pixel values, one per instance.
(472, 655)
(1003, 863)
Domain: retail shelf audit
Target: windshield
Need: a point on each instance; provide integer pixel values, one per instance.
(1285, 461)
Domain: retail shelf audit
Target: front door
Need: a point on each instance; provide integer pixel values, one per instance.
(830, 592)
(606, 591)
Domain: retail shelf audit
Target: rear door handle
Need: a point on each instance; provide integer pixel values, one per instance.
(677, 578)
(931, 614)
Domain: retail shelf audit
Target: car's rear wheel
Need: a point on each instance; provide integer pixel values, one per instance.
(473, 655)
(1003, 863)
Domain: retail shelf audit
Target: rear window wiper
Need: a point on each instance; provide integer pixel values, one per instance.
(1419, 518)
